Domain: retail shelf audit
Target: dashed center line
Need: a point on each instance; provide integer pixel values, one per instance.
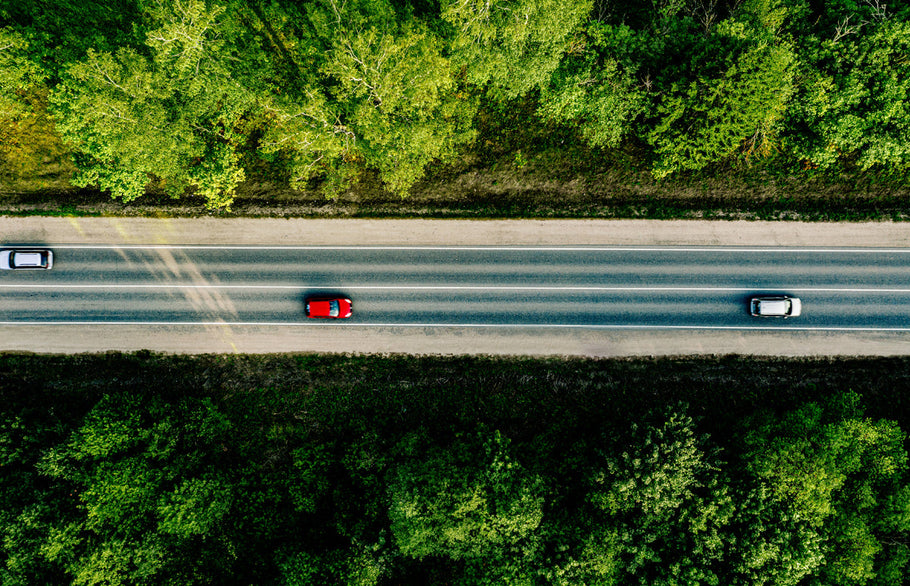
(517, 248)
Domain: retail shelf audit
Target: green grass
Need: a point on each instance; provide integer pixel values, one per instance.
(539, 199)
(524, 392)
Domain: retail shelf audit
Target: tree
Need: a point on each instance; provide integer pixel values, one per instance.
(471, 501)
(358, 566)
(355, 85)
(838, 477)
(854, 101)
(144, 501)
(593, 89)
(398, 94)
(17, 71)
(710, 118)
(28, 139)
(170, 111)
(668, 507)
(511, 46)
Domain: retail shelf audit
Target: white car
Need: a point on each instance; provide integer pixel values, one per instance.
(783, 306)
(26, 259)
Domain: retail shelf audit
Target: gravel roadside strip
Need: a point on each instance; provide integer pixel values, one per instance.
(272, 231)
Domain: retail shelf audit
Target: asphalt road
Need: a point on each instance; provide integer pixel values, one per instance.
(486, 287)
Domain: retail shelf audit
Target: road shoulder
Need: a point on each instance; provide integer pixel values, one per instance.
(289, 232)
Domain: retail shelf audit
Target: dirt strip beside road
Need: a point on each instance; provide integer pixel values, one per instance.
(270, 231)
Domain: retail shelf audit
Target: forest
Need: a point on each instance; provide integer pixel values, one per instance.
(196, 97)
(359, 470)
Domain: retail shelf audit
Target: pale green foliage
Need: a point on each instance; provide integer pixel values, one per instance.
(117, 562)
(61, 542)
(24, 545)
(854, 551)
(116, 492)
(362, 568)
(194, 506)
(856, 100)
(394, 74)
(771, 14)
(29, 143)
(594, 91)
(312, 136)
(462, 504)
(658, 477)
(102, 436)
(187, 33)
(398, 96)
(802, 473)
(17, 72)
(512, 45)
(596, 562)
(775, 546)
(370, 89)
(357, 567)
(172, 117)
(802, 468)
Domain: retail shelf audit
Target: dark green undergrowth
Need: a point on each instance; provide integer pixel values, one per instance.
(507, 194)
(332, 469)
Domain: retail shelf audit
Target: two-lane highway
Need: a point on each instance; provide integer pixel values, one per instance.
(512, 287)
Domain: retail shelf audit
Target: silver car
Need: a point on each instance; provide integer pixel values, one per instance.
(26, 259)
(782, 306)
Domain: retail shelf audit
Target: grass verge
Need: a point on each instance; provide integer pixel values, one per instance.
(523, 391)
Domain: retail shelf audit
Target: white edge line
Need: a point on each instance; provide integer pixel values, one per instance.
(457, 325)
(450, 288)
(518, 248)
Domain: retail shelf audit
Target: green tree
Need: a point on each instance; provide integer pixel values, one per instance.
(471, 501)
(17, 72)
(512, 46)
(143, 497)
(668, 505)
(853, 105)
(169, 111)
(355, 85)
(593, 89)
(774, 545)
(714, 116)
(28, 138)
(840, 476)
(398, 94)
(358, 566)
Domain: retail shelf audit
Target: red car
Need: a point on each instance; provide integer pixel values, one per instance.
(334, 308)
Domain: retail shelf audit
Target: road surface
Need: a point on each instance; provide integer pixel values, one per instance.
(510, 288)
